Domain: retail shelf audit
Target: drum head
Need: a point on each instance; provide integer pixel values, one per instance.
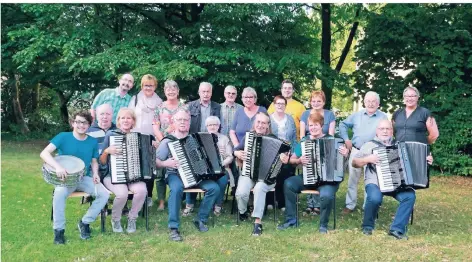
(71, 163)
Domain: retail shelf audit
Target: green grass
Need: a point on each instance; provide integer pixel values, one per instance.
(441, 231)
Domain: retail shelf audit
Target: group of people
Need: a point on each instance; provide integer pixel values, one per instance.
(114, 111)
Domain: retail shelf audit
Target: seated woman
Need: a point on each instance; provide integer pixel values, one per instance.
(261, 126)
(226, 152)
(294, 185)
(125, 122)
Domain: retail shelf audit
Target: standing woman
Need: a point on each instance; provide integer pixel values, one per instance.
(414, 123)
(144, 104)
(244, 117)
(282, 126)
(162, 126)
(262, 127)
(317, 101)
(125, 121)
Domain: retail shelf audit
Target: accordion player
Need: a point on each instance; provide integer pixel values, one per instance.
(136, 162)
(326, 163)
(402, 165)
(262, 161)
(199, 157)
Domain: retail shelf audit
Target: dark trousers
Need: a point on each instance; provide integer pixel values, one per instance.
(285, 172)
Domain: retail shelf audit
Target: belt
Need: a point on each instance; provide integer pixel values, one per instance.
(356, 147)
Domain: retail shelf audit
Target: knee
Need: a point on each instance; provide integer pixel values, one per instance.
(326, 197)
(214, 189)
(176, 190)
(121, 195)
(374, 199)
(289, 185)
(241, 194)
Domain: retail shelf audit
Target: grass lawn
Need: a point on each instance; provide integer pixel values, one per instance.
(442, 229)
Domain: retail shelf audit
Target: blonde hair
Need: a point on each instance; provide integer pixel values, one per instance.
(124, 111)
(148, 78)
(412, 88)
(250, 90)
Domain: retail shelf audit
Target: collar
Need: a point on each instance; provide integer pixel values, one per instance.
(117, 92)
(231, 106)
(374, 114)
(389, 144)
(95, 125)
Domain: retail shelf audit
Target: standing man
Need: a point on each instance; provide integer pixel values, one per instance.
(116, 97)
(228, 109)
(76, 143)
(164, 159)
(363, 124)
(202, 108)
(293, 108)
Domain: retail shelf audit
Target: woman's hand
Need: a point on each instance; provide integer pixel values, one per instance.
(304, 160)
(429, 159)
(172, 163)
(241, 155)
(113, 150)
(284, 158)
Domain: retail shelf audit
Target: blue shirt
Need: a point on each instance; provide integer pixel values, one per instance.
(242, 123)
(328, 118)
(67, 144)
(363, 126)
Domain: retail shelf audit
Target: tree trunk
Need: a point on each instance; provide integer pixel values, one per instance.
(19, 118)
(63, 106)
(35, 98)
(348, 44)
(326, 52)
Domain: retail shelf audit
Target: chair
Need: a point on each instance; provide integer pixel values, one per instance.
(84, 197)
(200, 191)
(315, 192)
(144, 212)
(265, 209)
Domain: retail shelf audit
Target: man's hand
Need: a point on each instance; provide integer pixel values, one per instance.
(171, 163)
(373, 159)
(96, 178)
(343, 150)
(61, 173)
(348, 144)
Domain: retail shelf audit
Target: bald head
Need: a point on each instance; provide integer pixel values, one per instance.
(104, 116)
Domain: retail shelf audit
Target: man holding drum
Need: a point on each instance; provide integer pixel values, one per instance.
(76, 143)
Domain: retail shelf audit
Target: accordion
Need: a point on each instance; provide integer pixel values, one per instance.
(402, 165)
(137, 161)
(199, 158)
(326, 164)
(262, 157)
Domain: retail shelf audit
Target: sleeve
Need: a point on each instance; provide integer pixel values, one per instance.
(97, 101)
(365, 150)
(106, 142)
(157, 112)
(304, 117)
(132, 102)
(293, 127)
(241, 144)
(95, 148)
(58, 140)
(262, 109)
(229, 152)
(395, 114)
(235, 119)
(271, 109)
(297, 149)
(345, 125)
(332, 116)
(162, 151)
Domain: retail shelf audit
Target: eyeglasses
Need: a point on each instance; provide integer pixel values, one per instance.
(85, 123)
(248, 97)
(370, 101)
(412, 96)
(229, 93)
(148, 86)
(384, 128)
(182, 120)
(213, 125)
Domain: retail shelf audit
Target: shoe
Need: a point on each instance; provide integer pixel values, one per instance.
(174, 235)
(84, 230)
(287, 225)
(217, 210)
(149, 201)
(188, 209)
(257, 230)
(347, 211)
(59, 238)
(116, 226)
(270, 207)
(367, 231)
(323, 230)
(243, 217)
(200, 226)
(397, 234)
(161, 207)
(131, 226)
(316, 211)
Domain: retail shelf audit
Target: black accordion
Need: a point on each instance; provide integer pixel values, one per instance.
(326, 164)
(262, 157)
(402, 165)
(199, 158)
(137, 161)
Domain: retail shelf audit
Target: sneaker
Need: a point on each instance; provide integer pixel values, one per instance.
(217, 210)
(59, 238)
(243, 217)
(397, 234)
(84, 230)
(131, 226)
(367, 231)
(149, 201)
(116, 226)
(188, 209)
(287, 225)
(270, 207)
(174, 235)
(323, 230)
(257, 230)
(200, 226)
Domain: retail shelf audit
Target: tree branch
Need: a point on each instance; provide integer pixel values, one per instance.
(348, 44)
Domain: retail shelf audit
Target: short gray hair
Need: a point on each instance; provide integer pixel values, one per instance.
(104, 107)
(205, 83)
(181, 109)
(250, 90)
(374, 94)
(231, 87)
(412, 88)
(170, 83)
(212, 119)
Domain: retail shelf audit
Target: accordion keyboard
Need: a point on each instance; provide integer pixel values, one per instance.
(118, 163)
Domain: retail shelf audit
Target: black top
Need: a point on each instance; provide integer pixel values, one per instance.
(412, 128)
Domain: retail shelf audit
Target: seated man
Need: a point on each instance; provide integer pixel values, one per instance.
(76, 143)
(406, 196)
(181, 122)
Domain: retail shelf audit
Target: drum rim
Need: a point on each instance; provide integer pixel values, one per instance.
(70, 157)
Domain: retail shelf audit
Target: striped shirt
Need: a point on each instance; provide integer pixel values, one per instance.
(227, 115)
(112, 97)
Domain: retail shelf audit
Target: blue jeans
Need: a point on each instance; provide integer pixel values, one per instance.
(212, 191)
(294, 185)
(406, 198)
(191, 198)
